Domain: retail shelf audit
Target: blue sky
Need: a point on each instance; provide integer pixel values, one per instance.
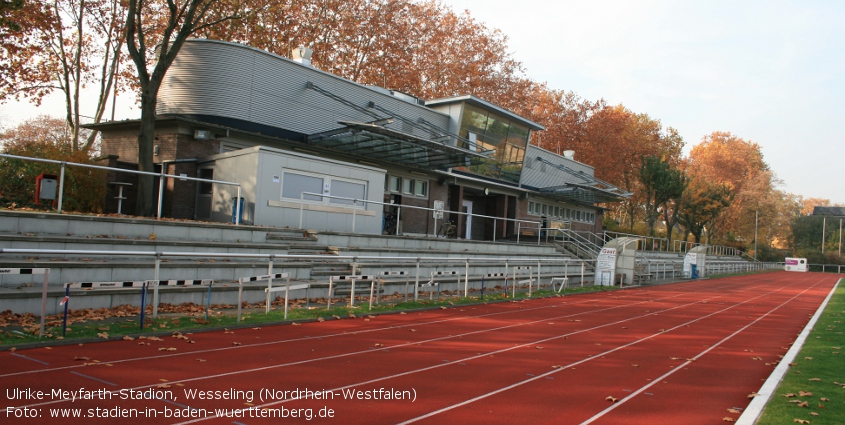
(770, 72)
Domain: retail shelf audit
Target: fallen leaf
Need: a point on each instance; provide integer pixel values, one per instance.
(800, 421)
(103, 335)
(236, 343)
(805, 393)
(752, 395)
(803, 404)
(611, 399)
(728, 419)
(128, 338)
(732, 410)
(814, 414)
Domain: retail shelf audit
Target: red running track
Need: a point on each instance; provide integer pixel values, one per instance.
(670, 354)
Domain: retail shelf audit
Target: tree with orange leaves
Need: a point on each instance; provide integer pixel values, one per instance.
(63, 45)
(724, 158)
(46, 137)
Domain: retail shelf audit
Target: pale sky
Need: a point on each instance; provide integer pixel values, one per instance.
(772, 72)
(767, 71)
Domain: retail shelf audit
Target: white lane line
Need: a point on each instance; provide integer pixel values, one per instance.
(410, 372)
(30, 359)
(751, 413)
(552, 372)
(688, 362)
(260, 344)
(307, 338)
(353, 353)
(318, 337)
(93, 378)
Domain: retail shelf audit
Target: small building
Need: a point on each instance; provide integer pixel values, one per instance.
(300, 139)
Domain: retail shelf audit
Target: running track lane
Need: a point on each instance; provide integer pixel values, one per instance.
(679, 353)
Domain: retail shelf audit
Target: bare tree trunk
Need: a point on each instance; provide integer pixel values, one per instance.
(146, 184)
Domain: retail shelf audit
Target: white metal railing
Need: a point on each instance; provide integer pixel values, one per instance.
(720, 267)
(653, 243)
(824, 267)
(415, 262)
(161, 176)
(581, 242)
(355, 202)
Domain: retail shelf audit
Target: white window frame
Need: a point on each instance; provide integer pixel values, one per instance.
(408, 186)
(326, 178)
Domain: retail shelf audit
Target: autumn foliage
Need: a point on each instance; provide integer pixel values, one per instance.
(423, 48)
(47, 138)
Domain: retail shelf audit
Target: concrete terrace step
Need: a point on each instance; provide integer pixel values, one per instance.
(118, 243)
(26, 230)
(291, 235)
(130, 228)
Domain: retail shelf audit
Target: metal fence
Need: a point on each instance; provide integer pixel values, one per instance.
(437, 214)
(656, 244)
(162, 176)
(414, 267)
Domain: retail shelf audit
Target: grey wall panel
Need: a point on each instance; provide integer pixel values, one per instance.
(235, 81)
(538, 174)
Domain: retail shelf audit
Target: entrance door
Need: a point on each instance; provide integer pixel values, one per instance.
(466, 207)
(205, 190)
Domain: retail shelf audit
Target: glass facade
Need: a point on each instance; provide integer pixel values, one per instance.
(506, 140)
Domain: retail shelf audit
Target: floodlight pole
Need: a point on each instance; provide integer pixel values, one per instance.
(755, 234)
(840, 237)
(824, 229)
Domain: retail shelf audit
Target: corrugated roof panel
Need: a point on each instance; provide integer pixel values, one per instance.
(235, 81)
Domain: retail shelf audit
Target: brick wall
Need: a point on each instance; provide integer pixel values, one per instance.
(179, 196)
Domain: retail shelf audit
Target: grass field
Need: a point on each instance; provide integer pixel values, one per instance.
(813, 391)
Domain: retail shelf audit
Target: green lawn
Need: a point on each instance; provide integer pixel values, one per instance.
(813, 390)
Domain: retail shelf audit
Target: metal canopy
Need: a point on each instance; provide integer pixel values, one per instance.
(583, 193)
(377, 143)
(589, 190)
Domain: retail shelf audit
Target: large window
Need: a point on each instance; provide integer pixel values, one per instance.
(558, 212)
(491, 132)
(407, 186)
(294, 183)
(347, 189)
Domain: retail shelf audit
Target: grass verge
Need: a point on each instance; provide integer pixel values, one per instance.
(813, 390)
(117, 327)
